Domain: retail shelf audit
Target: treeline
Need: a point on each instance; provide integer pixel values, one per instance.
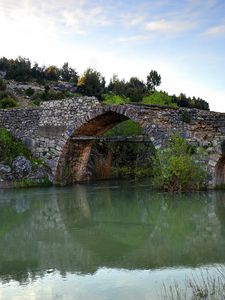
(92, 83)
(21, 69)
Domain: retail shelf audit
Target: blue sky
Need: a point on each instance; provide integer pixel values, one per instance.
(184, 41)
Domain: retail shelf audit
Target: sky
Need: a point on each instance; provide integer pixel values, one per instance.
(183, 40)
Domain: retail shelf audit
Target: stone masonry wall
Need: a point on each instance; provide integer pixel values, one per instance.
(47, 130)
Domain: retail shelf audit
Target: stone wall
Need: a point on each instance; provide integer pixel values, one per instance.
(48, 130)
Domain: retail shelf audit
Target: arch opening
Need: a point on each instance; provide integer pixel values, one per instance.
(77, 156)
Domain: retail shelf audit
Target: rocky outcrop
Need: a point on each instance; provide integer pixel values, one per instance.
(22, 170)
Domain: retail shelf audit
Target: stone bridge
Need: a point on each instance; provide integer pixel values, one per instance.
(51, 132)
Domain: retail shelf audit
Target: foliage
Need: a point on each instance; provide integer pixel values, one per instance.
(199, 286)
(117, 86)
(29, 92)
(68, 74)
(130, 172)
(159, 98)
(135, 89)
(153, 80)
(115, 99)
(183, 101)
(8, 102)
(47, 95)
(2, 85)
(185, 117)
(29, 182)
(91, 83)
(52, 73)
(18, 69)
(125, 128)
(10, 148)
(175, 169)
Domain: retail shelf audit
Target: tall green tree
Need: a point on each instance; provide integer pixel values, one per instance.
(68, 74)
(19, 69)
(117, 86)
(91, 83)
(153, 80)
(135, 89)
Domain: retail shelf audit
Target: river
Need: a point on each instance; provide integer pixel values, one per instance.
(107, 240)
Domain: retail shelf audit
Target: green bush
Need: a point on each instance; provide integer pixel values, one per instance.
(176, 169)
(8, 102)
(29, 92)
(10, 148)
(159, 98)
(115, 99)
(186, 117)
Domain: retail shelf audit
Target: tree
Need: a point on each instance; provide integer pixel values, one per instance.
(91, 83)
(68, 74)
(175, 168)
(135, 89)
(52, 73)
(37, 72)
(117, 86)
(153, 80)
(19, 69)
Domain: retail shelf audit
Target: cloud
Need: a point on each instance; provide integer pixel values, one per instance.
(80, 21)
(133, 39)
(216, 31)
(170, 27)
(132, 20)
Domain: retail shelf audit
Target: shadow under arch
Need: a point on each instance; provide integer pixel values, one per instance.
(72, 164)
(220, 171)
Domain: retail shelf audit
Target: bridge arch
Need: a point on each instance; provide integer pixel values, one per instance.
(72, 163)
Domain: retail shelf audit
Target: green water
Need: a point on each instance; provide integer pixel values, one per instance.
(107, 240)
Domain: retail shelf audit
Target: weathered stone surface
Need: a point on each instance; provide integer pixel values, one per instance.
(5, 169)
(21, 167)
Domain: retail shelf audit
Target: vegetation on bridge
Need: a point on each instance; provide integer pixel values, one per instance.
(52, 83)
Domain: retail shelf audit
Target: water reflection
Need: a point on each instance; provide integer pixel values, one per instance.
(83, 228)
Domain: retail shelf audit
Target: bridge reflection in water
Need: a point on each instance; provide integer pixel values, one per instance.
(86, 227)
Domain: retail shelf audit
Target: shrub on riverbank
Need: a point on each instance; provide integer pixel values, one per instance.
(175, 168)
(10, 148)
(18, 167)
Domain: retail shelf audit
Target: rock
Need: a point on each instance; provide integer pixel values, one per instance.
(40, 173)
(21, 167)
(5, 169)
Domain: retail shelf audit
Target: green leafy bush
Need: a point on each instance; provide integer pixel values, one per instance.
(8, 102)
(185, 117)
(10, 148)
(176, 169)
(159, 98)
(115, 99)
(29, 92)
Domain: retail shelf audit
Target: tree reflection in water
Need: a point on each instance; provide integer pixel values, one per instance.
(82, 228)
